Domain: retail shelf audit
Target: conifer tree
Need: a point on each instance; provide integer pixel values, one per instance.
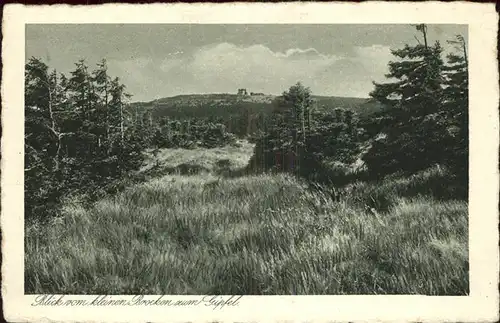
(456, 105)
(297, 102)
(417, 90)
(43, 137)
(117, 103)
(456, 90)
(412, 135)
(102, 80)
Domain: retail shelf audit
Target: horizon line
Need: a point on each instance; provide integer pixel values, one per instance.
(235, 94)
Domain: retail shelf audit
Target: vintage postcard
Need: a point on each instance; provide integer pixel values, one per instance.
(250, 162)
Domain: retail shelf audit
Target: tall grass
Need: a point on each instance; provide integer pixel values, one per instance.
(436, 182)
(228, 159)
(266, 234)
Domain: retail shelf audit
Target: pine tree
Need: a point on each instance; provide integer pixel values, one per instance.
(39, 137)
(412, 137)
(83, 103)
(456, 72)
(102, 80)
(456, 105)
(117, 108)
(297, 102)
(417, 90)
(44, 100)
(43, 137)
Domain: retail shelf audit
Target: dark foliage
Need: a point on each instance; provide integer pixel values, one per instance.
(315, 144)
(426, 122)
(191, 133)
(244, 116)
(83, 138)
(78, 138)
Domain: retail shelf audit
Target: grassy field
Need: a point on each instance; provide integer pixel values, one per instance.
(263, 234)
(181, 161)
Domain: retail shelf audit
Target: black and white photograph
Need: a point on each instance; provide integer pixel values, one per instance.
(248, 159)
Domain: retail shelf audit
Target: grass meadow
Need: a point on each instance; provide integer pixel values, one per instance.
(259, 234)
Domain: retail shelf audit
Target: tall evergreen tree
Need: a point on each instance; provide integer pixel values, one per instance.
(119, 98)
(296, 105)
(412, 140)
(83, 105)
(456, 105)
(417, 89)
(43, 137)
(102, 88)
(44, 101)
(456, 72)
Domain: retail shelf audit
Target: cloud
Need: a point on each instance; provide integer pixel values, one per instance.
(225, 67)
(353, 75)
(297, 53)
(373, 53)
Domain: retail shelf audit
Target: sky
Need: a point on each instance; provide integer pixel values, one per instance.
(156, 61)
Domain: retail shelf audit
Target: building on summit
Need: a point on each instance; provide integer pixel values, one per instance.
(242, 92)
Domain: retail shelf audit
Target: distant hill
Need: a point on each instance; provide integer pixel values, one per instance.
(220, 105)
(242, 114)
